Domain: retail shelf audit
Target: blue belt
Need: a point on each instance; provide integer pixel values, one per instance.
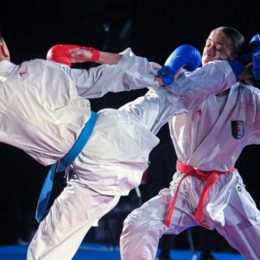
(61, 165)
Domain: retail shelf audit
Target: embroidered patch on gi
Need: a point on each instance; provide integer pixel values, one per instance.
(237, 129)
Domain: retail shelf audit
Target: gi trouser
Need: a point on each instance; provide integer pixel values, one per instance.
(144, 226)
(73, 213)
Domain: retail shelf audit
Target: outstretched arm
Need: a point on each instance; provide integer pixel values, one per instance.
(132, 72)
(69, 53)
(83, 55)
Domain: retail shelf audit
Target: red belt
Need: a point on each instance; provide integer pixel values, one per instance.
(209, 177)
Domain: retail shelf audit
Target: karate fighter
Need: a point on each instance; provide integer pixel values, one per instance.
(45, 113)
(206, 189)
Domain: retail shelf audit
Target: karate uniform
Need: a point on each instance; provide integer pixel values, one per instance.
(111, 164)
(44, 113)
(209, 137)
(43, 109)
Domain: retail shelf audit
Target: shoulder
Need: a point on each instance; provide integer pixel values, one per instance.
(249, 89)
(248, 93)
(218, 64)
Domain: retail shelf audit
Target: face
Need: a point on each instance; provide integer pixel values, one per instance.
(4, 52)
(218, 47)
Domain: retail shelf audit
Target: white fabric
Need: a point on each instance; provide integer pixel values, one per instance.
(145, 225)
(71, 216)
(204, 138)
(43, 109)
(117, 151)
(43, 112)
(43, 105)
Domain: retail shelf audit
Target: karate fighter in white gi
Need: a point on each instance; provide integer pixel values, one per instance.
(206, 189)
(44, 109)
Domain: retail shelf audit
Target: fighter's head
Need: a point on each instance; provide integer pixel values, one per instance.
(223, 43)
(4, 52)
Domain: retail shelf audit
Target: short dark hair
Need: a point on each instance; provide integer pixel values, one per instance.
(236, 37)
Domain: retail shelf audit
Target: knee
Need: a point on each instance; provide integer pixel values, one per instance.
(136, 223)
(132, 222)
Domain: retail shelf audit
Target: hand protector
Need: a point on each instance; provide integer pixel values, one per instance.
(185, 56)
(61, 53)
(255, 47)
(237, 68)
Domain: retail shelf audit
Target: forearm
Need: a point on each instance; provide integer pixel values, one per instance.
(108, 58)
(194, 88)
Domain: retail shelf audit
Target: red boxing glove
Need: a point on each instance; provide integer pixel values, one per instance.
(61, 53)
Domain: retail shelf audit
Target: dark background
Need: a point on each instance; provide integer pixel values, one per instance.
(151, 28)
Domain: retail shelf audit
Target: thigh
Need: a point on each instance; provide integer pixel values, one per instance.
(153, 213)
(242, 222)
(70, 217)
(144, 227)
(78, 204)
(241, 206)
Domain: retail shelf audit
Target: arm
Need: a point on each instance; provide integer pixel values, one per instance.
(81, 54)
(195, 87)
(254, 105)
(68, 54)
(98, 81)
(129, 72)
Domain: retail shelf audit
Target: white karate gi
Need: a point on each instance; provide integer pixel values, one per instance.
(111, 164)
(209, 137)
(43, 114)
(43, 108)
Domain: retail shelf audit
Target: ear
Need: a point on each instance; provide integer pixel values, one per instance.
(4, 53)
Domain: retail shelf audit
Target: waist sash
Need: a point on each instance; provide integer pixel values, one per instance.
(61, 166)
(209, 177)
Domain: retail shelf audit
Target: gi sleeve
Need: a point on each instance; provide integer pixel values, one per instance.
(131, 72)
(255, 116)
(195, 87)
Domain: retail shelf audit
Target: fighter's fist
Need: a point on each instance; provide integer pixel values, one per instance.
(183, 56)
(67, 54)
(255, 46)
(61, 53)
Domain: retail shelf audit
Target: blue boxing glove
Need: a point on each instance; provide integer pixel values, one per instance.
(184, 55)
(237, 68)
(255, 43)
(255, 49)
(253, 55)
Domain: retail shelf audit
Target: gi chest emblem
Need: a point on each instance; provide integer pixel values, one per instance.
(237, 129)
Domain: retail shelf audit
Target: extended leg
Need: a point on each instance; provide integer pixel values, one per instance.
(71, 216)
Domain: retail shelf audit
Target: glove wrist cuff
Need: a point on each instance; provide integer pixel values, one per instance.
(95, 54)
